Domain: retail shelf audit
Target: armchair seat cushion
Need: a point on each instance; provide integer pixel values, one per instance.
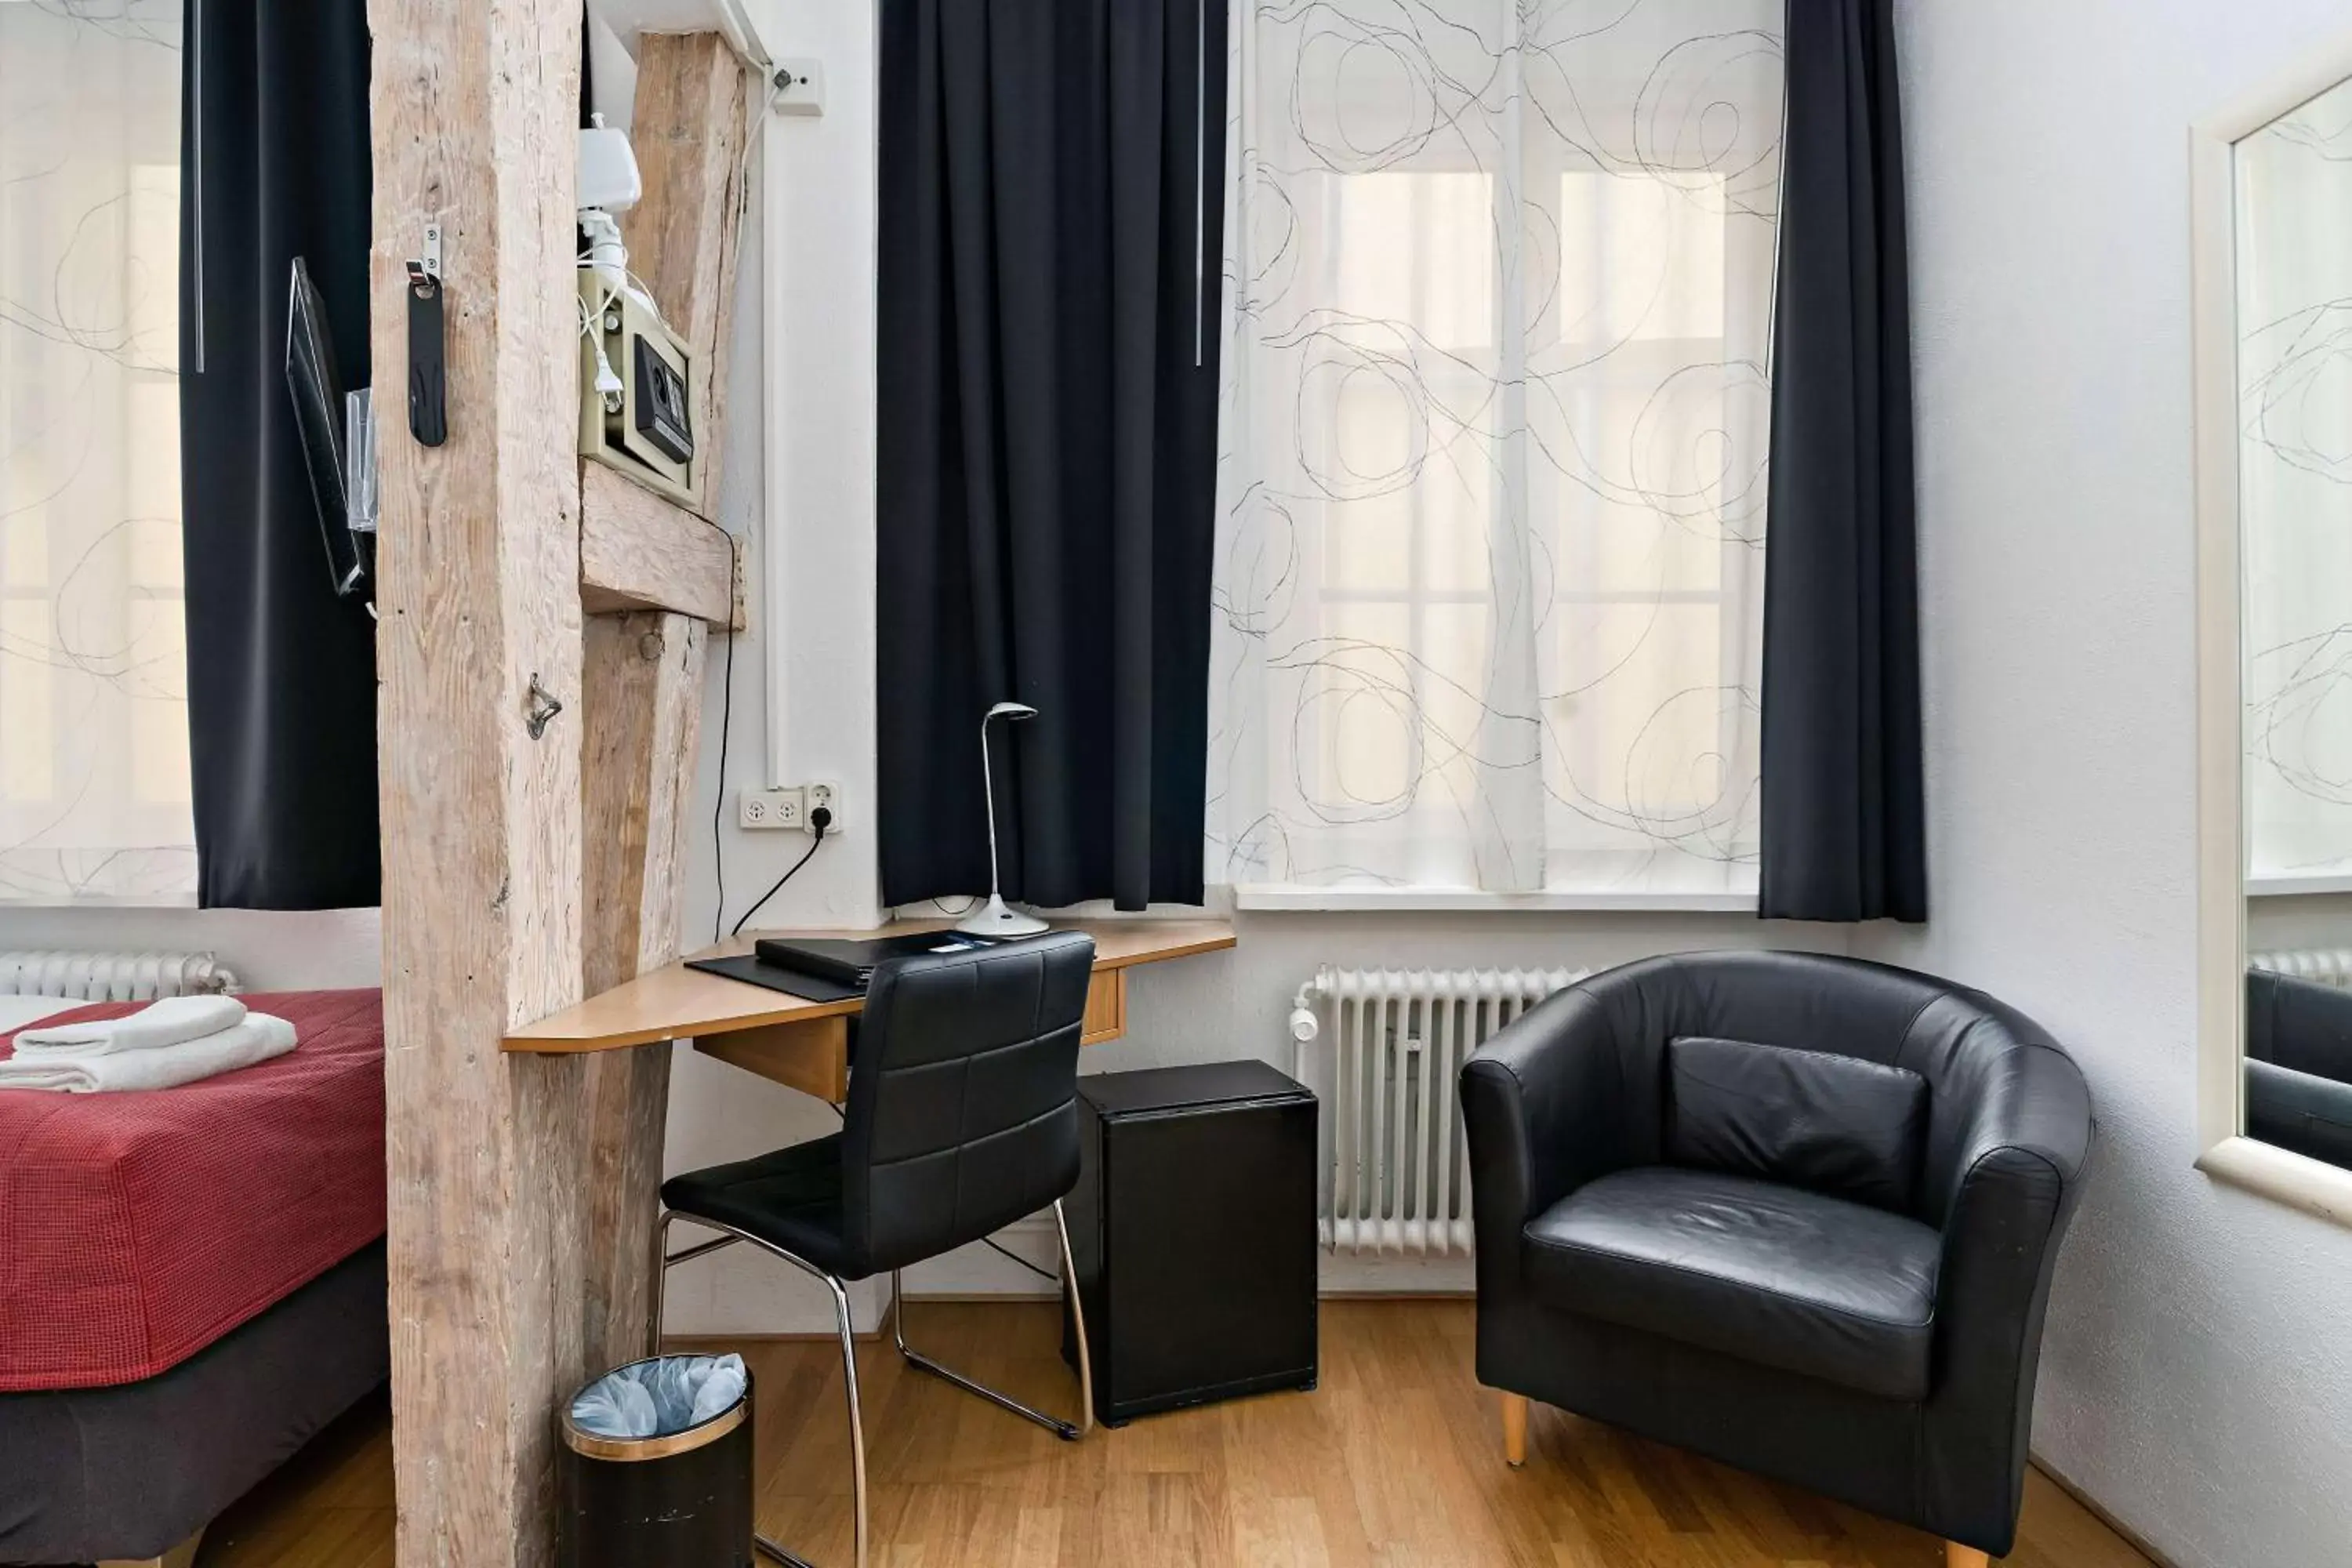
(1817, 1286)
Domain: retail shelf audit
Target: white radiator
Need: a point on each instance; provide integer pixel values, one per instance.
(1400, 1174)
(2322, 965)
(113, 976)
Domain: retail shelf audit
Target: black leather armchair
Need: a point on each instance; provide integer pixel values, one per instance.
(1797, 1213)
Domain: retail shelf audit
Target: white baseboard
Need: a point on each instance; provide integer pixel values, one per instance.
(978, 1271)
(743, 1291)
(1350, 1275)
(739, 1291)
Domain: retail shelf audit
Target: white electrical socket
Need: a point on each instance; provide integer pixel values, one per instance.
(781, 810)
(826, 795)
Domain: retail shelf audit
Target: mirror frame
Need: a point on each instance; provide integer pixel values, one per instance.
(2224, 1150)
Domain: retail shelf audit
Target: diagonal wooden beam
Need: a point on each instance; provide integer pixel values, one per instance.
(691, 133)
(639, 551)
(642, 700)
(644, 671)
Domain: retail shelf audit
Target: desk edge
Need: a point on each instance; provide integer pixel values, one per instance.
(524, 1042)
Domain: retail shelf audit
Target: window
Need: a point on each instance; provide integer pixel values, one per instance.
(1490, 568)
(94, 778)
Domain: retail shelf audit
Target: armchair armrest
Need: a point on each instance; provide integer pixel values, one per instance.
(2025, 1120)
(2012, 1174)
(1545, 1110)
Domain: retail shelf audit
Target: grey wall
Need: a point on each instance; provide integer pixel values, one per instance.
(2297, 920)
(2198, 1376)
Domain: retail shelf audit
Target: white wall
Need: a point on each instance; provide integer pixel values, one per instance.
(2197, 1379)
(2297, 920)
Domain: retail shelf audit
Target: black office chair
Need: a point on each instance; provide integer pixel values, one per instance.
(963, 1117)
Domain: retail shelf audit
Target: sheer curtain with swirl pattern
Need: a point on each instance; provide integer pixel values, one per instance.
(1490, 554)
(2293, 235)
(94, 781)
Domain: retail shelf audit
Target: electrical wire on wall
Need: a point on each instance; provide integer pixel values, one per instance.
(819, 820)
(995, 1245)
(726, 722)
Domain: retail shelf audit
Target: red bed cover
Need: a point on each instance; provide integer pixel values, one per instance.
(137, 1228)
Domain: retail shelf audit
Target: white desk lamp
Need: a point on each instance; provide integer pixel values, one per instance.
(995, 918)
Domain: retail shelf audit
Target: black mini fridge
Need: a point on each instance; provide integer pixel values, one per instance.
(1192, 1232)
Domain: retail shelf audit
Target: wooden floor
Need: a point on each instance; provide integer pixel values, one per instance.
(1396, 1462)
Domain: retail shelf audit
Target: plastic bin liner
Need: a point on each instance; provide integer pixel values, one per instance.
(657, 1398)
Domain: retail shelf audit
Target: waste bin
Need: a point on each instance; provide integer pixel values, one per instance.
(675, 1499)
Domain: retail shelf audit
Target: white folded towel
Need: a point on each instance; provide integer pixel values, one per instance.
(256, 1038)
(174, 1020)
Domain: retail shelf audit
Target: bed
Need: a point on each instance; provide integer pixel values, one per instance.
(192, 1283)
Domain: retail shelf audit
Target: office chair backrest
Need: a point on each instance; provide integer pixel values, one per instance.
(962, 1112)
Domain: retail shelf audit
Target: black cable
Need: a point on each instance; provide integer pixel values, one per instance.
(587, 68)
(726, 718)
(990, 1241)
(820, 826)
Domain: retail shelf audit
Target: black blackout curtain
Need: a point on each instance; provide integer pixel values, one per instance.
(1844, 820)
(1052, 207)
(281, 674)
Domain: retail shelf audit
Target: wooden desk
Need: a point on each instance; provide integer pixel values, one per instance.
(804, 1044)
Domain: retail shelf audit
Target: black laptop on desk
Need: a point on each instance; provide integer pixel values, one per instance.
(850, 961)
(831, 969)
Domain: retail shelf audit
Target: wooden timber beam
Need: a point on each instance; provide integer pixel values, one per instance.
(643, 688)
(642, 700)
(474, 109)
(531, 851)
(639, 551)
(690, 132)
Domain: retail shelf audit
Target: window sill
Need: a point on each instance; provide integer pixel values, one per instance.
(1269, 898)
(51, 903)
(2282, 1176)
(2292, 886)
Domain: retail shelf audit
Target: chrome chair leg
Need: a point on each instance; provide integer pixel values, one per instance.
(857, 1424)
(1077, 1324)
(729, 1236)
(856, 1418)
(661, 1282)
(1067, 1431)
(664, 1260)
